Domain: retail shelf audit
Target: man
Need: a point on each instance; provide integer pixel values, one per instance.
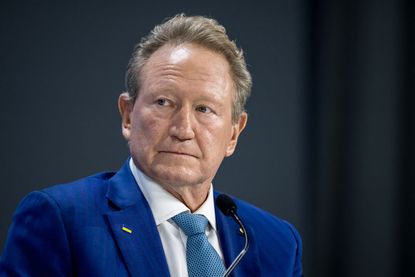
(182, 114)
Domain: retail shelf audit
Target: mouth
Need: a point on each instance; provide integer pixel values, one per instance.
(178, 153)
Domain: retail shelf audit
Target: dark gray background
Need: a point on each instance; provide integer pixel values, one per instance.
(329, 142)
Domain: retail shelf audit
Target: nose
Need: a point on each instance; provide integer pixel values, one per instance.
(182, 126)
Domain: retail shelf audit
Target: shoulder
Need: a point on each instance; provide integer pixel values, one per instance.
(66, 205)
(277, 240)
(267, 225)
(46, 222)
(79, 197)
(258, 215)
(80, 191)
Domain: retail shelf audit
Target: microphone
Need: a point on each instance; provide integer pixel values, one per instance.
(228, 208)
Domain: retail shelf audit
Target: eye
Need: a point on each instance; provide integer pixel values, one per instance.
(162, 102)
(203, 109)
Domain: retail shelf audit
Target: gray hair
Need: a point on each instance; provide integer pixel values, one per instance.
(203, 31)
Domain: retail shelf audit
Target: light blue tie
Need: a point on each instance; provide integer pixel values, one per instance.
(202, 258)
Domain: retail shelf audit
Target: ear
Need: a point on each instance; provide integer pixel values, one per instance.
(237, 129)
(125, 106)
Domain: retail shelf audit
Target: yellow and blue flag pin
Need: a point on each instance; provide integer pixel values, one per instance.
(125, 229)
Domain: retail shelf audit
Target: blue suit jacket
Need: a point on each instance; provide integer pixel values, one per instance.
(77, 229)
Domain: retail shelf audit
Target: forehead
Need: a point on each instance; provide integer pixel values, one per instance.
(179, 53)
(188, 60)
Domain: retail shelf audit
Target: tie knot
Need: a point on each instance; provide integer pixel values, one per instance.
(191, 224)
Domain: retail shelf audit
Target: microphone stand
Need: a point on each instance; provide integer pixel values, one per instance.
(244, 250)
(228, 207)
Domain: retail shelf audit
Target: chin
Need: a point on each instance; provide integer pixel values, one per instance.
(176, 176)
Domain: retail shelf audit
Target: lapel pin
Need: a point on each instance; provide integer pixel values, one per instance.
(125, 229)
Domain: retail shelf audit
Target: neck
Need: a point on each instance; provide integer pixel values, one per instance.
(193, 197)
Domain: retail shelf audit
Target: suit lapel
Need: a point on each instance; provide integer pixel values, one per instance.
(134, 228)
(232, 242)
(137, 237)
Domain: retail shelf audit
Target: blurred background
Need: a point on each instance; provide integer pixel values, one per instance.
(330, 139)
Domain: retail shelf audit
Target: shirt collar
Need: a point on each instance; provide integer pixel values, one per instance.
(164, 205)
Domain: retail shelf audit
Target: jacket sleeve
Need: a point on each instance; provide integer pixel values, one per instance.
(37, 243)
(298, 266)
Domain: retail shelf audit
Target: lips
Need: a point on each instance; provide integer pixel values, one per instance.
(179, 153)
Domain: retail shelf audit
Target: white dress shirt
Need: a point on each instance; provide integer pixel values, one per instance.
(164, 206)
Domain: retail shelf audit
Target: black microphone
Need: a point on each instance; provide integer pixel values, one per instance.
(228, 207)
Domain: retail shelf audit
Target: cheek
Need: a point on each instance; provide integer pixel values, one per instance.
(216, 139)
(145, 129)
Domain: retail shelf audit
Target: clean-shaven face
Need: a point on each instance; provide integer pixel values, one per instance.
(180, 127)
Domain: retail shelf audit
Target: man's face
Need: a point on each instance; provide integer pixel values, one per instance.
(180, 127)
